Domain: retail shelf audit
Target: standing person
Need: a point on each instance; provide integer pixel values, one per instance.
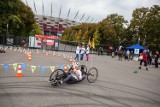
(99, 51)
(144, 59)
(149, 57)
(156, 59)
(82, 52)
(128, 55)
(23, 43)
(102, 51)
(77, 53)
(87, 52)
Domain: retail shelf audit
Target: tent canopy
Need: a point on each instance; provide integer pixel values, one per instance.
(136, 46)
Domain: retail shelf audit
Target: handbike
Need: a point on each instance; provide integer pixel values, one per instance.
(59, 75)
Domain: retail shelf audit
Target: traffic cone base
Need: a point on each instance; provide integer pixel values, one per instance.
(19, 74)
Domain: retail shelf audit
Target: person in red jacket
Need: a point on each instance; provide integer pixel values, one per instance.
(144, 59)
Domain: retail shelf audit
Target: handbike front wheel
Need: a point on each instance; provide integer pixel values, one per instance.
(92, 75)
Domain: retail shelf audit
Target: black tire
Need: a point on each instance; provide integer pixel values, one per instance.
(57, 73)
(92, 75)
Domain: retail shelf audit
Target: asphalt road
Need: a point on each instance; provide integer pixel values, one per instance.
(119, 84)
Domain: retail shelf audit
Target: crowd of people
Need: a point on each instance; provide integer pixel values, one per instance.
(81, 51)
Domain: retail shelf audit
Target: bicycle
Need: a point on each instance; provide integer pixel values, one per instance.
(60, 75)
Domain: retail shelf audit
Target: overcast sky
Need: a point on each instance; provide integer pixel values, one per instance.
(97, 9)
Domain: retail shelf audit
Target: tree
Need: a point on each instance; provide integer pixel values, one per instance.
(137, 24)
(112, 29)
(153, 25)
(18, 16)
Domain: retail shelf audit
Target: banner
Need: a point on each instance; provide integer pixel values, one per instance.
(6, 66)
(42, 69)
(61, 67)
(23, 66)
(14, 66)
(52, 68)
(33, 68)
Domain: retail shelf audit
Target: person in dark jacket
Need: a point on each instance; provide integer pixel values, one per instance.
(156, 59)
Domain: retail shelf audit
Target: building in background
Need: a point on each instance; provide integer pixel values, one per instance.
(53, 25)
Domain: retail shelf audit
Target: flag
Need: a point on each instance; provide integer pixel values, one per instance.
(92, 43)
(23, 66)
(61, 67)
(89, 42)
(42, 69)
(14, 66)
(6, 66)
(33, 68)
(52, 68)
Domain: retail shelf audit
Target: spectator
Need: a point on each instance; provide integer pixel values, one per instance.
(128, 55)
(82, 52)
(156, 59)
(23, 43)
(149, 57)
(77, 53)
(143, 59)
(87, 52)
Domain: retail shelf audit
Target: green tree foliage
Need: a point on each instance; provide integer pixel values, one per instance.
(96, 36)
(18, 16)
(80, 33)
(137, 27)
(114, 29)
(146, 24)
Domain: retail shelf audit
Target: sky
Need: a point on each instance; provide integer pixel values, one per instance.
(93, 10)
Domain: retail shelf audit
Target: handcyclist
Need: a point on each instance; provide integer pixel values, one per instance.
(75, 74)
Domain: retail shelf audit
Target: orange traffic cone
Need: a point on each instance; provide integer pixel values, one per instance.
(70, 60)
(65, 68)
(64, 57)
(54, 54)
(58, 55)
(19, 72)
(29, 57)
(46, 53)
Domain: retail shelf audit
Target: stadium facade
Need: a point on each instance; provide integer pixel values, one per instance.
(53, 25)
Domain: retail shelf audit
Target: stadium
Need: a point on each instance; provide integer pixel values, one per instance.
(56, 25)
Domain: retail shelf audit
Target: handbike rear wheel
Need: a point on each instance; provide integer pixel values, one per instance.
(56, 75)
(92, 75)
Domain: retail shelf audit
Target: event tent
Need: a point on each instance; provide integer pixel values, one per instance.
(136, 46)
